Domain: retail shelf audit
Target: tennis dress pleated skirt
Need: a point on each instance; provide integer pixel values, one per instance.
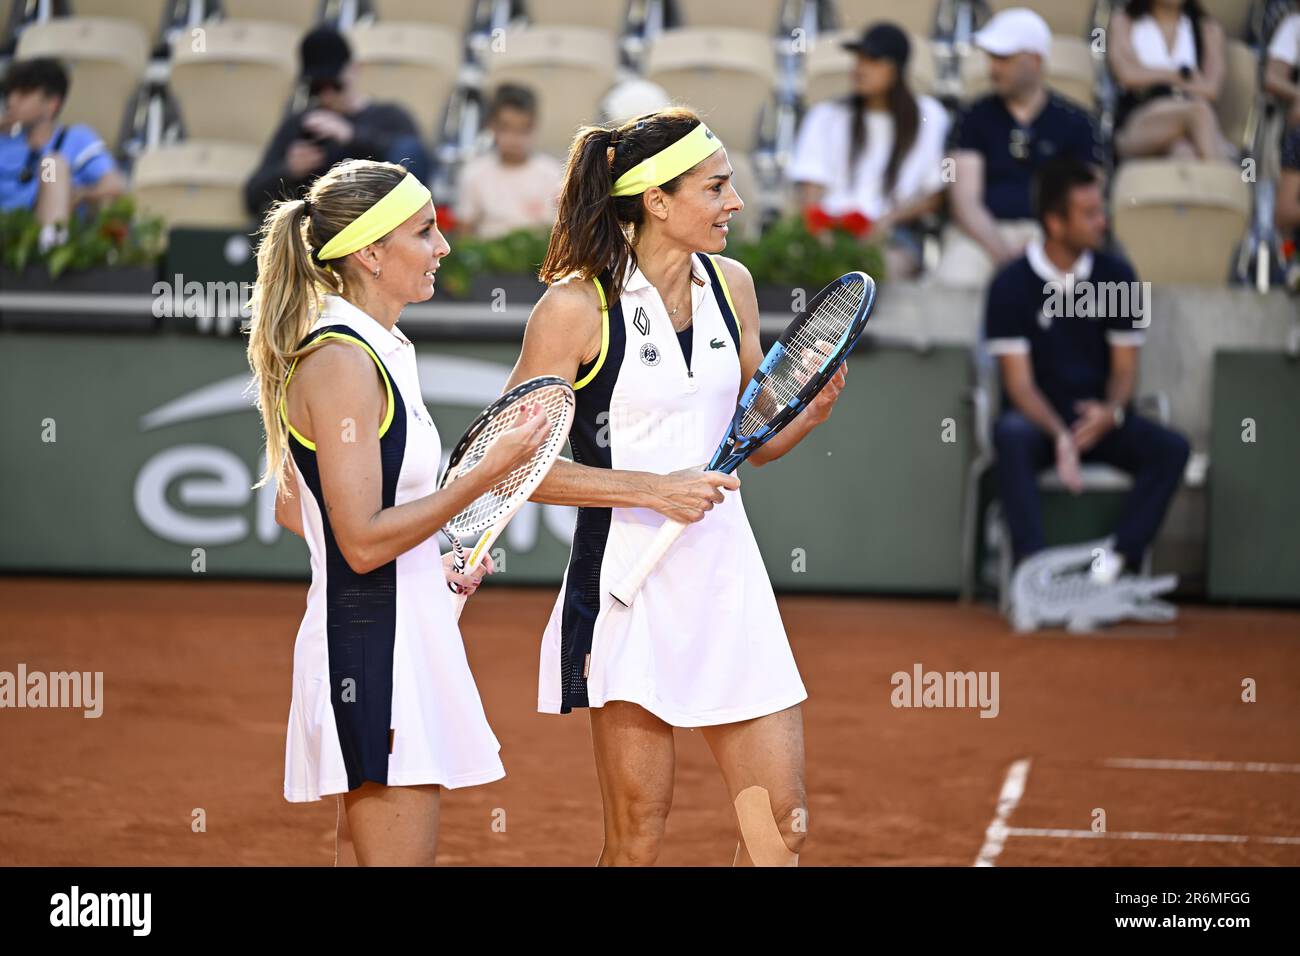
(703, 642)
(382, 690)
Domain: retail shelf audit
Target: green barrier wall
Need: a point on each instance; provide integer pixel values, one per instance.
(154, 449)
(1254, 547)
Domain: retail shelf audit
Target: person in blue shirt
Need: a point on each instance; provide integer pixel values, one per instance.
(998, 142)
(1065, 322)
(46, 166)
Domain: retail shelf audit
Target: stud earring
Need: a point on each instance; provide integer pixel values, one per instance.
(376, 273)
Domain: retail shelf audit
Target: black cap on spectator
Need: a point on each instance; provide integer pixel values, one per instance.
(882, 41)
(324, 54)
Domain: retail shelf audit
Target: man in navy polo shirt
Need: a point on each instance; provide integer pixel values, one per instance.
(1065, 322)
(997, 145)
(45, 166)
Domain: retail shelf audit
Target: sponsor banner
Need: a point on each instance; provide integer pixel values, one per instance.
(131, 454)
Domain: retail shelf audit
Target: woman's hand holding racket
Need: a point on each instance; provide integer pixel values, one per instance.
(466, 584)
(687, 495)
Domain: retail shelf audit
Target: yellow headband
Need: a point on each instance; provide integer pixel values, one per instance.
(671, 161)
(399, 204)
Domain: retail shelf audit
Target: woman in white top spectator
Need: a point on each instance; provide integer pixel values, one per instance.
(1168, 58)
(877, 152)
(1282, 72)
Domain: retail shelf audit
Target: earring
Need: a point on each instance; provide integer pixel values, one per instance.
(376, 273)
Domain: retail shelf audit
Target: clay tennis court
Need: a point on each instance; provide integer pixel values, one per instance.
(196, 695)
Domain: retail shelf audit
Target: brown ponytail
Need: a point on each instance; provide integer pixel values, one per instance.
(290, 282)
(595, 232)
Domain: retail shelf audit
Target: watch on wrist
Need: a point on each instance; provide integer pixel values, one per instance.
(1117, 415)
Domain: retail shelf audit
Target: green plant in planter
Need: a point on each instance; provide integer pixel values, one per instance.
(112, 237)
(518, 253)
(788, 255)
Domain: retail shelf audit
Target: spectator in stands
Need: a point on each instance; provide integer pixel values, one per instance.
(1068, 381)
(1282, 70)
(998, 144)
(1168, 58)
(340, 123)
(1287, 213)
(512, 186)
(45, 166)
(878, 151)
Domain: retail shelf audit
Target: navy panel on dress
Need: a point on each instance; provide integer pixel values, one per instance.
(361, 613)
(590, 442)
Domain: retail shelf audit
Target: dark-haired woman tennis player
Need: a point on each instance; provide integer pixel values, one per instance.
(658, 333)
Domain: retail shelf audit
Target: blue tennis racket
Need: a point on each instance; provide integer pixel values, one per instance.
(801, 363)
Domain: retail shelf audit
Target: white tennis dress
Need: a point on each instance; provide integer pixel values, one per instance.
(703, 642)
(381, 687)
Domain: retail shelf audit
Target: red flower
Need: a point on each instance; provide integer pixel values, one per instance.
(1288, 250)
(446, 219)
(114, 230)
(817, 220)
(855, 223)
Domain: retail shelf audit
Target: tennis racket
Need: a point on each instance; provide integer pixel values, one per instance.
(491, 511)
(801, 363)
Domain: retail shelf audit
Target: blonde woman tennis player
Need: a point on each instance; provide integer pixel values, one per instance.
(658, 333)
(384, 710)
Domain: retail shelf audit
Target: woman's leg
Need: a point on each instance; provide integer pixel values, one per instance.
(634, 763)
(345, 852)
(393, 826)
(1153, 128)
(762, 763)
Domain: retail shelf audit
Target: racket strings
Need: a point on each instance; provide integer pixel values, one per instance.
(792, 371)
(484, 511)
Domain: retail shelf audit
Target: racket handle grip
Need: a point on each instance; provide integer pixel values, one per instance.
(458, 604)
(626, 590)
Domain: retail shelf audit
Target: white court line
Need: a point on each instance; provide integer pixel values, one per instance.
(1140, 835)
(1013, 788)
(1137, 763)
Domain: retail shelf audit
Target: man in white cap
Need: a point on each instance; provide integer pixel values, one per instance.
(999, 142)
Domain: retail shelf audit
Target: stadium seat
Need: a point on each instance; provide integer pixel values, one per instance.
(759, 15)
(828, 67)
(148, 14)
(452, 14)
(301, 14)
(195, 183)
(914, 16)
(610, 15)
(726, 75)
(1234, 15)
(1240, 92)
(1205, 205)
(1071, 18)
(1071, 71)
(236, 86)
(413, 64)
(570, 69)
(106, 59)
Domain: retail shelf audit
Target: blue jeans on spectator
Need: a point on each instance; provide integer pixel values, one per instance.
(1151, 453)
